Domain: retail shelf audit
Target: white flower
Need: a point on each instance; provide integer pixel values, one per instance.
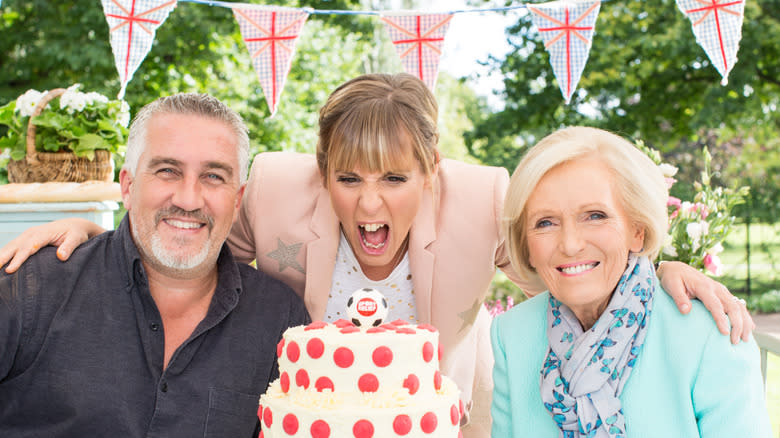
(670, 250)
(124, 114)
(716, 249)
(73, 100)
(94, 96)
(25, 104)
(694, 230)
(667, 169)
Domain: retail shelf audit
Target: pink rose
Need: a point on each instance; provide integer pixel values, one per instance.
(713, 264)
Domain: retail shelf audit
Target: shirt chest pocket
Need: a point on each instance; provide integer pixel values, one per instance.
(231, 414)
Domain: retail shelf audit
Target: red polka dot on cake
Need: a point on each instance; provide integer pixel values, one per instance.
(320, 429)
(260, 412)
(437, 380)
(368, 383)
(284, 382)
(316, 325)
(290, 424)
(412, 383)
(402, 425)
(439, 352)
(341, 323)
(279, 348)
(347, 330)
(323, 383)
(363, 429)
(428, 327)
(302, 379)
(315, 347)
(427, 351)
(460, 407)
(293, 352)
(454, 415)
(382, 356)
(429, 422)
(406, 330)
(388, 326)
(376, 330)
(399, 322)
(261, 435)
(343, 357)
(268, 417)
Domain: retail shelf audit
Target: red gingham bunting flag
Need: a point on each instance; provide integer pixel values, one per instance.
(717, 25)
(418, 40)
(567, 30)
(270, 35)
(132, 24)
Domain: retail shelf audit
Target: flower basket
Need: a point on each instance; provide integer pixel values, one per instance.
(57, 166)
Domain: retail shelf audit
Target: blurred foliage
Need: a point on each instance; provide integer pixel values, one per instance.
(647, 78)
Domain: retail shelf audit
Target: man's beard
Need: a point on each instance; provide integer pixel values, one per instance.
(180, 262)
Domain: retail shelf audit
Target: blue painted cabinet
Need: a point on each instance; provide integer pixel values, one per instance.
(15, 218)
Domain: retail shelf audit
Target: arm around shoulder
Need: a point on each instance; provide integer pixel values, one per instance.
(728, 394)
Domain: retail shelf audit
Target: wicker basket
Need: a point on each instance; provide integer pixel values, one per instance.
(57, 166)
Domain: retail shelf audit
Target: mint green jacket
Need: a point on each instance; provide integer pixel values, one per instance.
(689, 380)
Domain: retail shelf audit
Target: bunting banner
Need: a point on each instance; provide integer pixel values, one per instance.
(567, 28)
(418, 40)
(270, 35)
(132, 24)
(717, 25)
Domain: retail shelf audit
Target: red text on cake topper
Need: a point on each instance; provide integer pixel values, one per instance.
(367, 306)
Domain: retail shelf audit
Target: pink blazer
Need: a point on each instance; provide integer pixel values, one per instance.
(288, 225)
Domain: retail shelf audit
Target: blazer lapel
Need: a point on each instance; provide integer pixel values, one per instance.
(421, 260)
(321, 256)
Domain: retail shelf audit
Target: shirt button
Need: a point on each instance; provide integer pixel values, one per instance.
(164, 387)
(154, 326)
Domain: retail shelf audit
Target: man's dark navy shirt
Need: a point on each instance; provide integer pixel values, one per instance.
(81, 348)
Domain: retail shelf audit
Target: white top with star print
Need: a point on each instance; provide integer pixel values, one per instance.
(348, 277)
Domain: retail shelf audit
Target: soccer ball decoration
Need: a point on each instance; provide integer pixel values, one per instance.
(367, 307)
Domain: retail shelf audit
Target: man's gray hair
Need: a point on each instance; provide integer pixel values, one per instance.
(187, 104)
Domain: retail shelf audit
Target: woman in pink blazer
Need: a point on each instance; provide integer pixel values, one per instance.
(377, 207)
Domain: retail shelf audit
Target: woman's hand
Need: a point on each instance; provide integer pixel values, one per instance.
(66, 234)
(682, 283)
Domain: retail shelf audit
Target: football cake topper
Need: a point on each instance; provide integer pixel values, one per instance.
(367, 307)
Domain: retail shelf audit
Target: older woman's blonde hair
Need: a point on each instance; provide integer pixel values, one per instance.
(370, 120)
(638, 184)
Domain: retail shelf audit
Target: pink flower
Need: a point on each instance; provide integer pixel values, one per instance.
(674, 202)
(713, 264)
(702, 210)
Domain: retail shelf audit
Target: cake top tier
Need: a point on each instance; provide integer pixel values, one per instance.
(341, 357)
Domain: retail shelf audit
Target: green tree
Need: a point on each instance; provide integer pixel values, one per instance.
(199, 48)
(646, 77)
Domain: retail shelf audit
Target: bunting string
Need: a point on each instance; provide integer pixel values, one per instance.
(270, 34)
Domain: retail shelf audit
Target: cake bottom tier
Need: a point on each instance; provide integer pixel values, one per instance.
(377, 415)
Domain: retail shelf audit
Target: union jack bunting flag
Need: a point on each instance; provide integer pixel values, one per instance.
(717, 25)
(270, 35)
(567, 31)
(132, 24)
(418, 40)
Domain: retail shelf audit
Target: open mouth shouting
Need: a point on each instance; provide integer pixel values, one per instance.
(374, 237)
(576, 268)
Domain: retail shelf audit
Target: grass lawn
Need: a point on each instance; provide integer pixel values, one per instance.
(764, 259)
(773, 392)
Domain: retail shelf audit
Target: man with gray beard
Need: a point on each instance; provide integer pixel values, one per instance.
(152, 329)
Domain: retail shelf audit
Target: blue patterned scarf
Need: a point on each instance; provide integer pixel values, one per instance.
(585, 372)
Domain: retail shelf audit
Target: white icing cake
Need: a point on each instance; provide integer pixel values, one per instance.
(339, 380)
